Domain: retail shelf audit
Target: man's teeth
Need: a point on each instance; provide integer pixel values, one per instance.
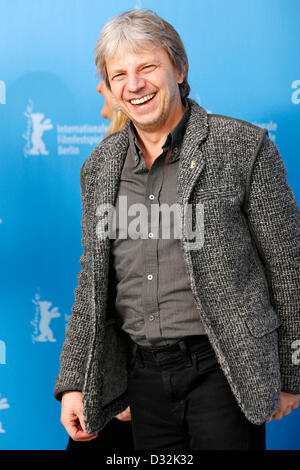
(142, 100)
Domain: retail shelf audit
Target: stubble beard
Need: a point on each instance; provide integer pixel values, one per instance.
(153, 125)
(156, 123)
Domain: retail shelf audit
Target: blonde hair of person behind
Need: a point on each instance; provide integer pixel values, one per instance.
(118, 121)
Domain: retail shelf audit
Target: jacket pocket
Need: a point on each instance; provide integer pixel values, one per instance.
(215, 193)
(262, 323)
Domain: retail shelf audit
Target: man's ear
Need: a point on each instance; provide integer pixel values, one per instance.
(182, 74)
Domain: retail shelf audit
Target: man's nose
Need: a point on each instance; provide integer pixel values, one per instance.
(134, 82)
(98, 88)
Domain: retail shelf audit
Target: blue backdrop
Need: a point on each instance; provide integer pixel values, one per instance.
(244, 62)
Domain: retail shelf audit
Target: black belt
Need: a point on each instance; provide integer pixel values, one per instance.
(184, 347)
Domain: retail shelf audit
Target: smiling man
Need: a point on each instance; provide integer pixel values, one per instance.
(195, 341)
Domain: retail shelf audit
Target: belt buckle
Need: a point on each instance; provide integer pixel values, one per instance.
(155, 353)
(181, 345)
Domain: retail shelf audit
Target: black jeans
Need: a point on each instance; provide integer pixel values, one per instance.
(180, 399)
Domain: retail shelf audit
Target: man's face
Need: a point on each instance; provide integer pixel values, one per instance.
(145, 86)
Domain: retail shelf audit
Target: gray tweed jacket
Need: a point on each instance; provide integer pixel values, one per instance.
(244, 276)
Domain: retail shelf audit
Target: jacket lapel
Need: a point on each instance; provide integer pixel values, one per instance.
(192, 160)
(111, 166)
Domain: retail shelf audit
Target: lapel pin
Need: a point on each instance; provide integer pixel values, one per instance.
(193, 164)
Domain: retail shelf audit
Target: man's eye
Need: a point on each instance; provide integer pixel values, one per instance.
(118, 76)
(149, 67)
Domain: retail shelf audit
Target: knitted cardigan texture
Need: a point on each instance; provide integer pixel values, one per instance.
(244, 275)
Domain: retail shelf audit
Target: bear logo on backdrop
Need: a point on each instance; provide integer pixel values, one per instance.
(36, 126)
(41, 322)
(69, 138)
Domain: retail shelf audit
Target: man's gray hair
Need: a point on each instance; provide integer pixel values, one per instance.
(136, 28)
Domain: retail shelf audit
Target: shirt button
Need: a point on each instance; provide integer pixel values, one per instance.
(150, 277)
(151, 318)
(151, 196)
(175, 149)
(150, 235)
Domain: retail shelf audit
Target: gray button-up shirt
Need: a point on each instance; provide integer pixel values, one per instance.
(154, 301)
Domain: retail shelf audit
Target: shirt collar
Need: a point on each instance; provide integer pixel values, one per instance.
(173, 140)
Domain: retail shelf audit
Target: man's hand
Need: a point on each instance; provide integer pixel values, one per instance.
(72, 416)
(125, 415)
(287, 403)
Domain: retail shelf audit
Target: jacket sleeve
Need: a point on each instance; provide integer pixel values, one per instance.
(73, 354)
(274, 221)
